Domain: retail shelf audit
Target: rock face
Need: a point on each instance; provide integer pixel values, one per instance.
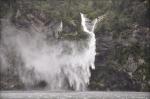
(122, 38)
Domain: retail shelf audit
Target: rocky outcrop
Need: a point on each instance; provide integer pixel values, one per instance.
(123, 38)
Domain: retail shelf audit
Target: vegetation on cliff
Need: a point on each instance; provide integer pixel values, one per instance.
(123, 37)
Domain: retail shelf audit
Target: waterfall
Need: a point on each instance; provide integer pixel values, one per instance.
(63, 64)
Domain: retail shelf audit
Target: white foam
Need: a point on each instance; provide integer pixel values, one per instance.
(61, 63)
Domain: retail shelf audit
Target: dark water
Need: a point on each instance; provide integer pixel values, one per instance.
(72, 95)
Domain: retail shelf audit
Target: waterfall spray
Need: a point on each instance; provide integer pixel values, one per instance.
(63, 64)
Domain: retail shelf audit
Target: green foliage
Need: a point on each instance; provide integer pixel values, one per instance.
(126, 22)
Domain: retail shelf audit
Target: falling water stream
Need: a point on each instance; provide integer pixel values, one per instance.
(61, 63)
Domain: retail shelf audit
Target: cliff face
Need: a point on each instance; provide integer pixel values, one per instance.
(123, 37)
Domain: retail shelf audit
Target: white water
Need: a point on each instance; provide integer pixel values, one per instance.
(62, 64)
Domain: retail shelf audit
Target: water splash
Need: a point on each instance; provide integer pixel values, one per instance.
(63, 64)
